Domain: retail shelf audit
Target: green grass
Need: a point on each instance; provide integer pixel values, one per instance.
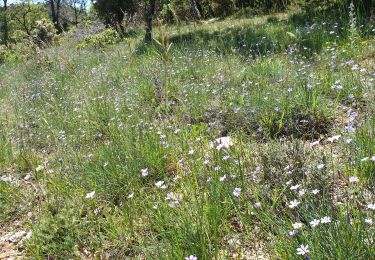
(84, 120)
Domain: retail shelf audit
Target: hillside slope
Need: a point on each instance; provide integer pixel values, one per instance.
(244, 139)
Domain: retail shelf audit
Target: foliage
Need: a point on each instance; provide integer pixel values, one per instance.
(101, 39)
(235, 139)
(25, 17)
(112, 12)
(44, 33)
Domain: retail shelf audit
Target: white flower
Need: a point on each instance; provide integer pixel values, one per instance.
(368, 221)
(234, 242)
(371, 206)
(325, 220)
(314, 143)
(144, 172)
(373, 158)
(353, 179)
(315, 191)
(191, 257)
(90, 195)
(257, 205)
(321, 166)
(303, 250)
(295, 187)
(315, 222)
(333, 138)
(161, 185)
(364, 159)
(224, 142)
(39, 168)
(206, 161)
(294, 204)
(237, 192)
(222, 178)
(348, 141)
(131, 195)
(302, 192)
(191, 152)
(297, 225)
(293, 232)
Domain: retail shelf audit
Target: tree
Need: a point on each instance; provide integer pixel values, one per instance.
(5, 26)
(79, 8)
(149, 19)
(25, 15)
(194, 10)
(55, 6)
(112, 12)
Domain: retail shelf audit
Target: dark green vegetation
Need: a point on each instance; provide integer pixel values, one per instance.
(231, 139)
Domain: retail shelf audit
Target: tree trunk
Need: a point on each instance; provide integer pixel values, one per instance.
(194, 10)
(149, 18)
(5, 23)
(55, 13)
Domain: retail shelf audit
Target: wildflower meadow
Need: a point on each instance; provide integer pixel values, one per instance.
(244, 137)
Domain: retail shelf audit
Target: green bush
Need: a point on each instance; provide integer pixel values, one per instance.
(44, 33)
(100, 40)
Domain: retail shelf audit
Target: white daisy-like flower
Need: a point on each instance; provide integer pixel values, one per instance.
(353, 179)
(90, 195)
(321, 166)
(224, 142)
(314, 223)
(131, 195)
(315, 191)
(297, 225)
(293, 232)
(325, 220)
(294, 203)
(222, 178)
(371, 206)
(333, 138)
(364, 159)
(191, 257)
(144, 172)
(314, 144)
(161, 185)
(303, 250)
(368, 221)
(302, 192)
(295, 187)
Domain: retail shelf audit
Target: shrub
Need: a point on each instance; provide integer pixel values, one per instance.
(44, 33)
(100, 40)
